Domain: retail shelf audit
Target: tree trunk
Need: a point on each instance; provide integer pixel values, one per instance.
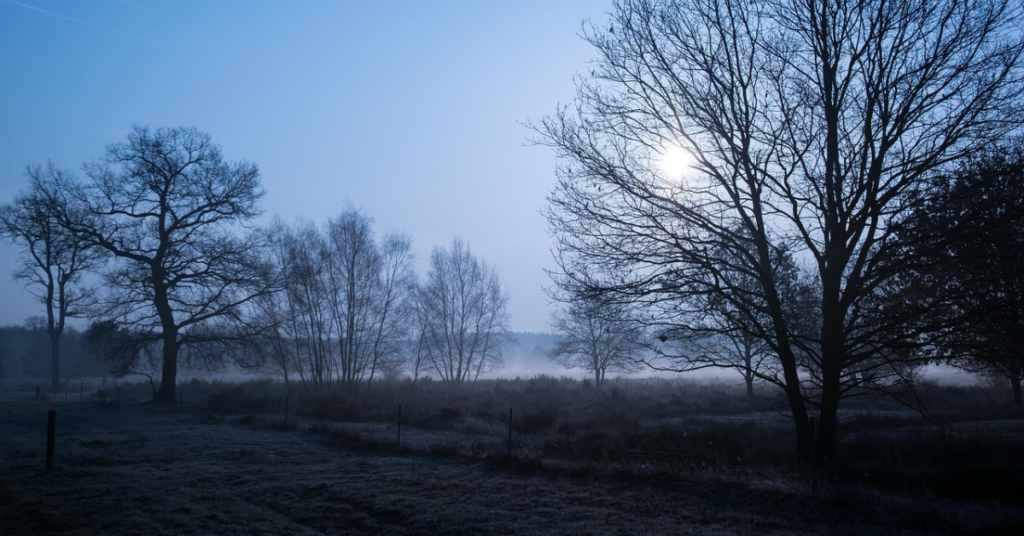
(748, 363)
(1015, 383)
(828, 419)
(800, 421)
(795, 397)
(792, 387)
(833, 356)
(169, 373)
(54, 360)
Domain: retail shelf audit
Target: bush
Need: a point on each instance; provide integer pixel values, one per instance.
(330, 407)
(947, 465)
(236, 400)
(533, 421)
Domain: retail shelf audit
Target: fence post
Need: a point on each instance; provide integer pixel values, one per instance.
(509, 453)
(51, 432)
(399, 424)
(81, 391)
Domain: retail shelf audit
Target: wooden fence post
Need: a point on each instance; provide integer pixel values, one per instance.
(399, 424)
(509, 453)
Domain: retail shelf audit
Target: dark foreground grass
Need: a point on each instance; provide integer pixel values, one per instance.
(664, 431)
(130, 470)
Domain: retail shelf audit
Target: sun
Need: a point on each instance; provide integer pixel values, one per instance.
(676, 161)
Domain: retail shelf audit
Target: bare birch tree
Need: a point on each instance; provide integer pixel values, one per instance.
(393, 314)
(346, 304)
(461, 312)
(369, 288)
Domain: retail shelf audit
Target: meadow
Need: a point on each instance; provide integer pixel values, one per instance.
(636, 456)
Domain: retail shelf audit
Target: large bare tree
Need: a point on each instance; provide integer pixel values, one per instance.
(810, 123)
(168, 207)
(53, 260)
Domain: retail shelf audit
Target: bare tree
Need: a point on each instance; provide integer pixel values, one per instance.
(369, 286)
(597, 337)
(346, 305)
(272, 350)
(724, 334)
(810, 123)
(461, 313)
(167, 207)
(352, 274)
(53, 260)
(394, 305)
(302, 326)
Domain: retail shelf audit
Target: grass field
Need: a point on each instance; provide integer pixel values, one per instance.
(638, 457)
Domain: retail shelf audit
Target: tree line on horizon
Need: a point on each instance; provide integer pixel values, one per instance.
(25, 353)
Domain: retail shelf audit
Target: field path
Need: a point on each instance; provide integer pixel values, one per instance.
(128, 471)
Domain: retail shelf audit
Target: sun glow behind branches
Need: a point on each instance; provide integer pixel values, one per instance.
(676, 162)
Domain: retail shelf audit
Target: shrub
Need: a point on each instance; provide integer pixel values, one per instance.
(532, 421)
(235, 400)
(330, 406)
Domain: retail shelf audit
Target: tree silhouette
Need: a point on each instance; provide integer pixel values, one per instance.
(167, 207)
(345, 308)
(53, 260)
(971, 232)
(461, 314)
(597, 337)
(810, 124)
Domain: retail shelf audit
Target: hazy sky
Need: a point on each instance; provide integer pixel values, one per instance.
(411, 111)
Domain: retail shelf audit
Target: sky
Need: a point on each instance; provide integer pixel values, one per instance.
(413, 112)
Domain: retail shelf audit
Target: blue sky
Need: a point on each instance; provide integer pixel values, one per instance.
(411, 111)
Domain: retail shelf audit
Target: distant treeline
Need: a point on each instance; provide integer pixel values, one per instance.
(25, 353)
